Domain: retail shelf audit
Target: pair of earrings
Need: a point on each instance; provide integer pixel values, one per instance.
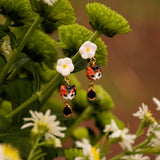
(65, 67)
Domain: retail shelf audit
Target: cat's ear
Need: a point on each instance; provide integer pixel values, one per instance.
(62, 89)
(98, 67)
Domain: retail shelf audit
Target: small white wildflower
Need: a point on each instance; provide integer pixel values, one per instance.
(87, 50)
(6, 47)
(155, 141)
(49, 2)
(136, 157)
(116, 132)
(127, 139)
(7, 152)
(142, 111)
(158, 158)
(157, 102)
(92, 153)
(152, 128)
(45, 123)
(65, 66)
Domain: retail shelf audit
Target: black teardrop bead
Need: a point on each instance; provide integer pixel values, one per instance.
(91, 94)
(67, 110)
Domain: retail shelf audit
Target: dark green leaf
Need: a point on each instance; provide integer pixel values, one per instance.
(4, 30)
(19, 90)
(2, 62)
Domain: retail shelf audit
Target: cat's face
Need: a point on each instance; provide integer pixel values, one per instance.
(68, 92)
(94, 73)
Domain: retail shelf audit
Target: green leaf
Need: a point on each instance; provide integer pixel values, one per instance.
(2, 62)
(103, 99)
(73, 36)
(45, 73)
(61, 12)
(4, 30)
(19, 90)
(105, 20)
(17, 10)
(72, 153)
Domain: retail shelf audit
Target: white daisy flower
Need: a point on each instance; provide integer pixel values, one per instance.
(142, 111)
(157, 102)
(155, 141)
(6, 47)
(90, 152)
(49, 2)
(127, 139)
(65, 66)
(7, 152)
(87, 50)
(116, 132)
(136, 157)
(45, 124)
(152, 128)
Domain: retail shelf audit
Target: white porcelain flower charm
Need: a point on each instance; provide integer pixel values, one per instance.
(87, 50)
(65, 66)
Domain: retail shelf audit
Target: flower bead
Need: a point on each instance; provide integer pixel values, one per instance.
(87, 50)
(65, 66)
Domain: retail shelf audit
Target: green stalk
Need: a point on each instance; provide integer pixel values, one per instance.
(31, 154)
(17, 51)
(85, 113)
(49, 88)
(23, 105)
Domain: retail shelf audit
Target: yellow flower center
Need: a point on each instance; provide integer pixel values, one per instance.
(64, 66)
(10, 153)
(87, 50)
(95, 153)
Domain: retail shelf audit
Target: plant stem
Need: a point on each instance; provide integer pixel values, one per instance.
(23, 105)
(85, 113)
(139, 130)
(16, 52)
(31, 154)
(49, 88)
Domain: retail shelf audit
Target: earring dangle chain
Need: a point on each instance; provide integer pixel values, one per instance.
(87, 51)
(67, 92)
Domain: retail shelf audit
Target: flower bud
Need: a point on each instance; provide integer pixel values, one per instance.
(105, 20)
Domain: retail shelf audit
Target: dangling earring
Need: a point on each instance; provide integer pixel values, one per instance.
(87, 51)
(67, 92)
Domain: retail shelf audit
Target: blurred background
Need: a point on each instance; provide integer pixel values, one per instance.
(132, 75)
